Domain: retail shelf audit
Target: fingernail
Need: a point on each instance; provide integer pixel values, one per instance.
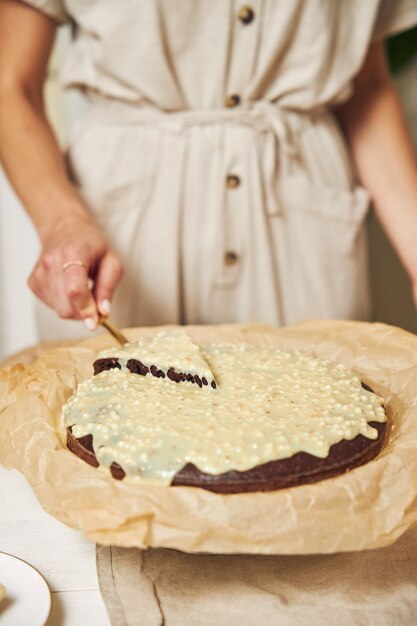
(105, 307)
(90, 323)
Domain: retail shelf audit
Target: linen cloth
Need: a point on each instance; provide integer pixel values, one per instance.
(185, 95)
(160, 587)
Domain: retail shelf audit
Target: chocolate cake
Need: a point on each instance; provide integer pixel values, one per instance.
(300, 467)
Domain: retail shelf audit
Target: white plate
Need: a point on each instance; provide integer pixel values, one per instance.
(28, 599)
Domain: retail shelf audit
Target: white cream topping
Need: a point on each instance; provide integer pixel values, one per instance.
(173, 348)
(268, 405)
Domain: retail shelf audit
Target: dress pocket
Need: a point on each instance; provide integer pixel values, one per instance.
(341, 205)
(320, 245)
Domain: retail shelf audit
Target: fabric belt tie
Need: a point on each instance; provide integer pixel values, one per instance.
(260, 116)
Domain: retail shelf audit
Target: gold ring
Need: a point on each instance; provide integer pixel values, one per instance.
(75, 262)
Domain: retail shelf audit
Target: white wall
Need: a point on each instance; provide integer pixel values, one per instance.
(18, 253)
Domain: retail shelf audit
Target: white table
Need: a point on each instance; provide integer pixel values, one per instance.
(63, 556)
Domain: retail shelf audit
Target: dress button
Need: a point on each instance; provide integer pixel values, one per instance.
(230, 258)
(246, 14)
(232, 101)
(232, 181)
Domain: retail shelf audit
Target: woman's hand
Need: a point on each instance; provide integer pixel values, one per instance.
(77, 272)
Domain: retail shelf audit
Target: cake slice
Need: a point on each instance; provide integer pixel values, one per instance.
(169, 354)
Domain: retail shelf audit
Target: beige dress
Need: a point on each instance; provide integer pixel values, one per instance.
(211, 156)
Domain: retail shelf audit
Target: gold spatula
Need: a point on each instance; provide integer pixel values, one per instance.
(113, 330)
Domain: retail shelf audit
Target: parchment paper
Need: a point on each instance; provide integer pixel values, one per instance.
(368, 507)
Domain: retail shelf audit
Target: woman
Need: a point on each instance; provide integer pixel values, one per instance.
(211, 164)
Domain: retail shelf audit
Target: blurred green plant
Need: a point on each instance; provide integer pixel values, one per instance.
(401, 49)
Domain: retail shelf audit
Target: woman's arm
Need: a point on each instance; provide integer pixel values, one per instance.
(375, 126)
(33, 162)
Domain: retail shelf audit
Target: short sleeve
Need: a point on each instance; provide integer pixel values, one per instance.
(52, 8)
(394, 16)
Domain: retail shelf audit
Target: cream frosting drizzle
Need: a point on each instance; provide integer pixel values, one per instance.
(269, 405)
(165, 350)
